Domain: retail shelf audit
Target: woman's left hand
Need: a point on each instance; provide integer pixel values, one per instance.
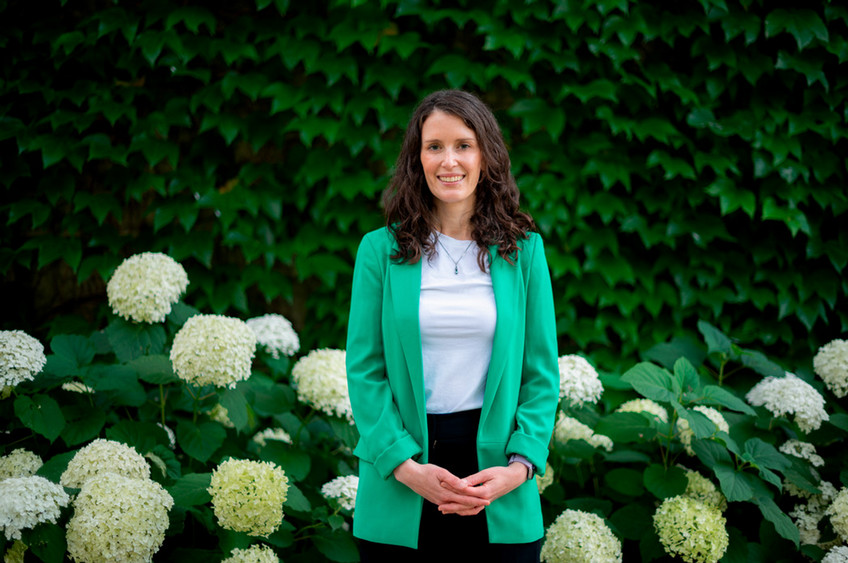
(493, 483)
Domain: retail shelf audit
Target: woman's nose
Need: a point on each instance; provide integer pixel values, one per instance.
(450, 158)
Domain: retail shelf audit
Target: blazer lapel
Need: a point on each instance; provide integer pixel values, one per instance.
(405, 287)
(503, 285)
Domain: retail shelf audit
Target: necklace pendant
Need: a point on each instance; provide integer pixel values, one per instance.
(456, 271)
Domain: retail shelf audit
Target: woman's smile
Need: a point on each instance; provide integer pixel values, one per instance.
(451, 159)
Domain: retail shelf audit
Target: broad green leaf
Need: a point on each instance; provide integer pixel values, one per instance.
(55, 466)
(711, 453)
(664, 483)
(840, 420)
(154, 369)
(143, 436)
(191, 489)
(666, 353)
(716, 340)
(82, 423)
(70, 353)
(685, 376)
(715, 395)
(633, 521)
(651, 381)
(47, 542)
(296, 500)
(766, 455)
(344, 431)
(758, 362)
(733, 483)
(625, 481)
(200, 441)
(702, 426)
(132, 340)
(41, 414)
(336, 545)
(294, 462)
(623, 427)
(782, 523)
(237, 408)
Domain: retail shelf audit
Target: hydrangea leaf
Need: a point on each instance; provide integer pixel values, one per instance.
(715, 395)
(733, 483)
(296, 463)
(664, 482)
(238, 410)
(651, 381)
(41, 414)
(47, 542)
(296, 500)
(624, 427)
(717, 341)
(632, 521)
(200, 440)
(132, 340)
(336, 545)
(82, 424)
(190, 490)
(625, 481)
(782, 523)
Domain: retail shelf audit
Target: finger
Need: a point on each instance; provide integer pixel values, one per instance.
(461, 509)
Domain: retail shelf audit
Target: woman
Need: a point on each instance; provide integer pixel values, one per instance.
(451, 352)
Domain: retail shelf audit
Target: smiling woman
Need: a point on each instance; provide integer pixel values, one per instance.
(451, 360)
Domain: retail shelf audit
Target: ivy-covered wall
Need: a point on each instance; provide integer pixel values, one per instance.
(683, 160)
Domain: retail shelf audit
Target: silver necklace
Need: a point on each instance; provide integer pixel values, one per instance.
(455, 262)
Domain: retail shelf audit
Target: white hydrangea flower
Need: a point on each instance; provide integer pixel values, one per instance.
(118, 518)
(219, 414)
(686, 434)
(77, 387)
(275, 334)
(104, 456)
(790, 395)
(19, 463)
(838, 554)
(321, 381)
(702, 489)
(831, 364)
(807, 516)
(21, 358)
(804, 450)
(261, 438)
(15, 554)
(568, 428)
(256, 553)
(172, 438)
(342, 489)
(648, 406)
(838, 512)
(692, 530)
(578, 380)
(580, 537)
(145, 286)
(248, 496)
(213, 350)
(28, 501)
(544, 482)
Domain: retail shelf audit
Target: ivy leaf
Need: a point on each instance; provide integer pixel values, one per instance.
(804, 25)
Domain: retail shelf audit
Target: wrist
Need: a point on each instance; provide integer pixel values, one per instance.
(524, 463)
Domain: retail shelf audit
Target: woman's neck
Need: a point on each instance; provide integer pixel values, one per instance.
(455, 223)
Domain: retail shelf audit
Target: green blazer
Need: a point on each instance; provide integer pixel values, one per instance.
(385, 380)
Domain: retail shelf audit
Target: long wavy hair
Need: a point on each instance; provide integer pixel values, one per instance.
(409, 206)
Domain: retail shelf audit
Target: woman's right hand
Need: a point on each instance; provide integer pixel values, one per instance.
(439, 486)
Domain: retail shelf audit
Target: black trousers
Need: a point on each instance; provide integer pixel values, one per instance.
(447, 538)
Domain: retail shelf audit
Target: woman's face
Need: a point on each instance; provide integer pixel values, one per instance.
(451, 159)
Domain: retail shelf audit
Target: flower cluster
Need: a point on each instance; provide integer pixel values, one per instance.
(19, 463)
(686, 434)
(77, 387)
(145, 286)
(254, 554)
(578, 380)
(28, 501)
(691, 529)
(21, 357)
(213, 349)
(261, 438)
(543, 482)
(568, 428)
(118, 518)
(275, 334)
(647, 406)
(838, 512)
(831, 364)
(342, 489)
(580, 537)
(248, 496)
(702, 489)
(104, 456)
(807, 516)
(804, 450)
(321, 380)
(790, 395)
(221, 415)
(15, 554)
(838, 554)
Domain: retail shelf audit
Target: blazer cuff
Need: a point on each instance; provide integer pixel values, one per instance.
(396, 454)
(529, 447)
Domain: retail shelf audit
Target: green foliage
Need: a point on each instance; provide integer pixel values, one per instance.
(681, 162)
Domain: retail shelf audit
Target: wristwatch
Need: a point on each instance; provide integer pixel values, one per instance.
(531, 469)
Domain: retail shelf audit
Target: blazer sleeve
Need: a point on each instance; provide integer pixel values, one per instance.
(383, 440)
(539, 393)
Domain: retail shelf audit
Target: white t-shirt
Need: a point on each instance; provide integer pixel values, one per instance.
(457, 314)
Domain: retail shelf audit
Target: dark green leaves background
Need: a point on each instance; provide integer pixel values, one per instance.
(683, 160)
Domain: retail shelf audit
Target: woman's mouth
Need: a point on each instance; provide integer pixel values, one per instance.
(451, 179)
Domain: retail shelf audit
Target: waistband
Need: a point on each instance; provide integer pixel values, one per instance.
(453, 426)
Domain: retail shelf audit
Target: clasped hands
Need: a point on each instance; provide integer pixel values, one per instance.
(454, 495)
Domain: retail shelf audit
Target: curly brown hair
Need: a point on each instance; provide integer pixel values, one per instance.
(408, 202)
